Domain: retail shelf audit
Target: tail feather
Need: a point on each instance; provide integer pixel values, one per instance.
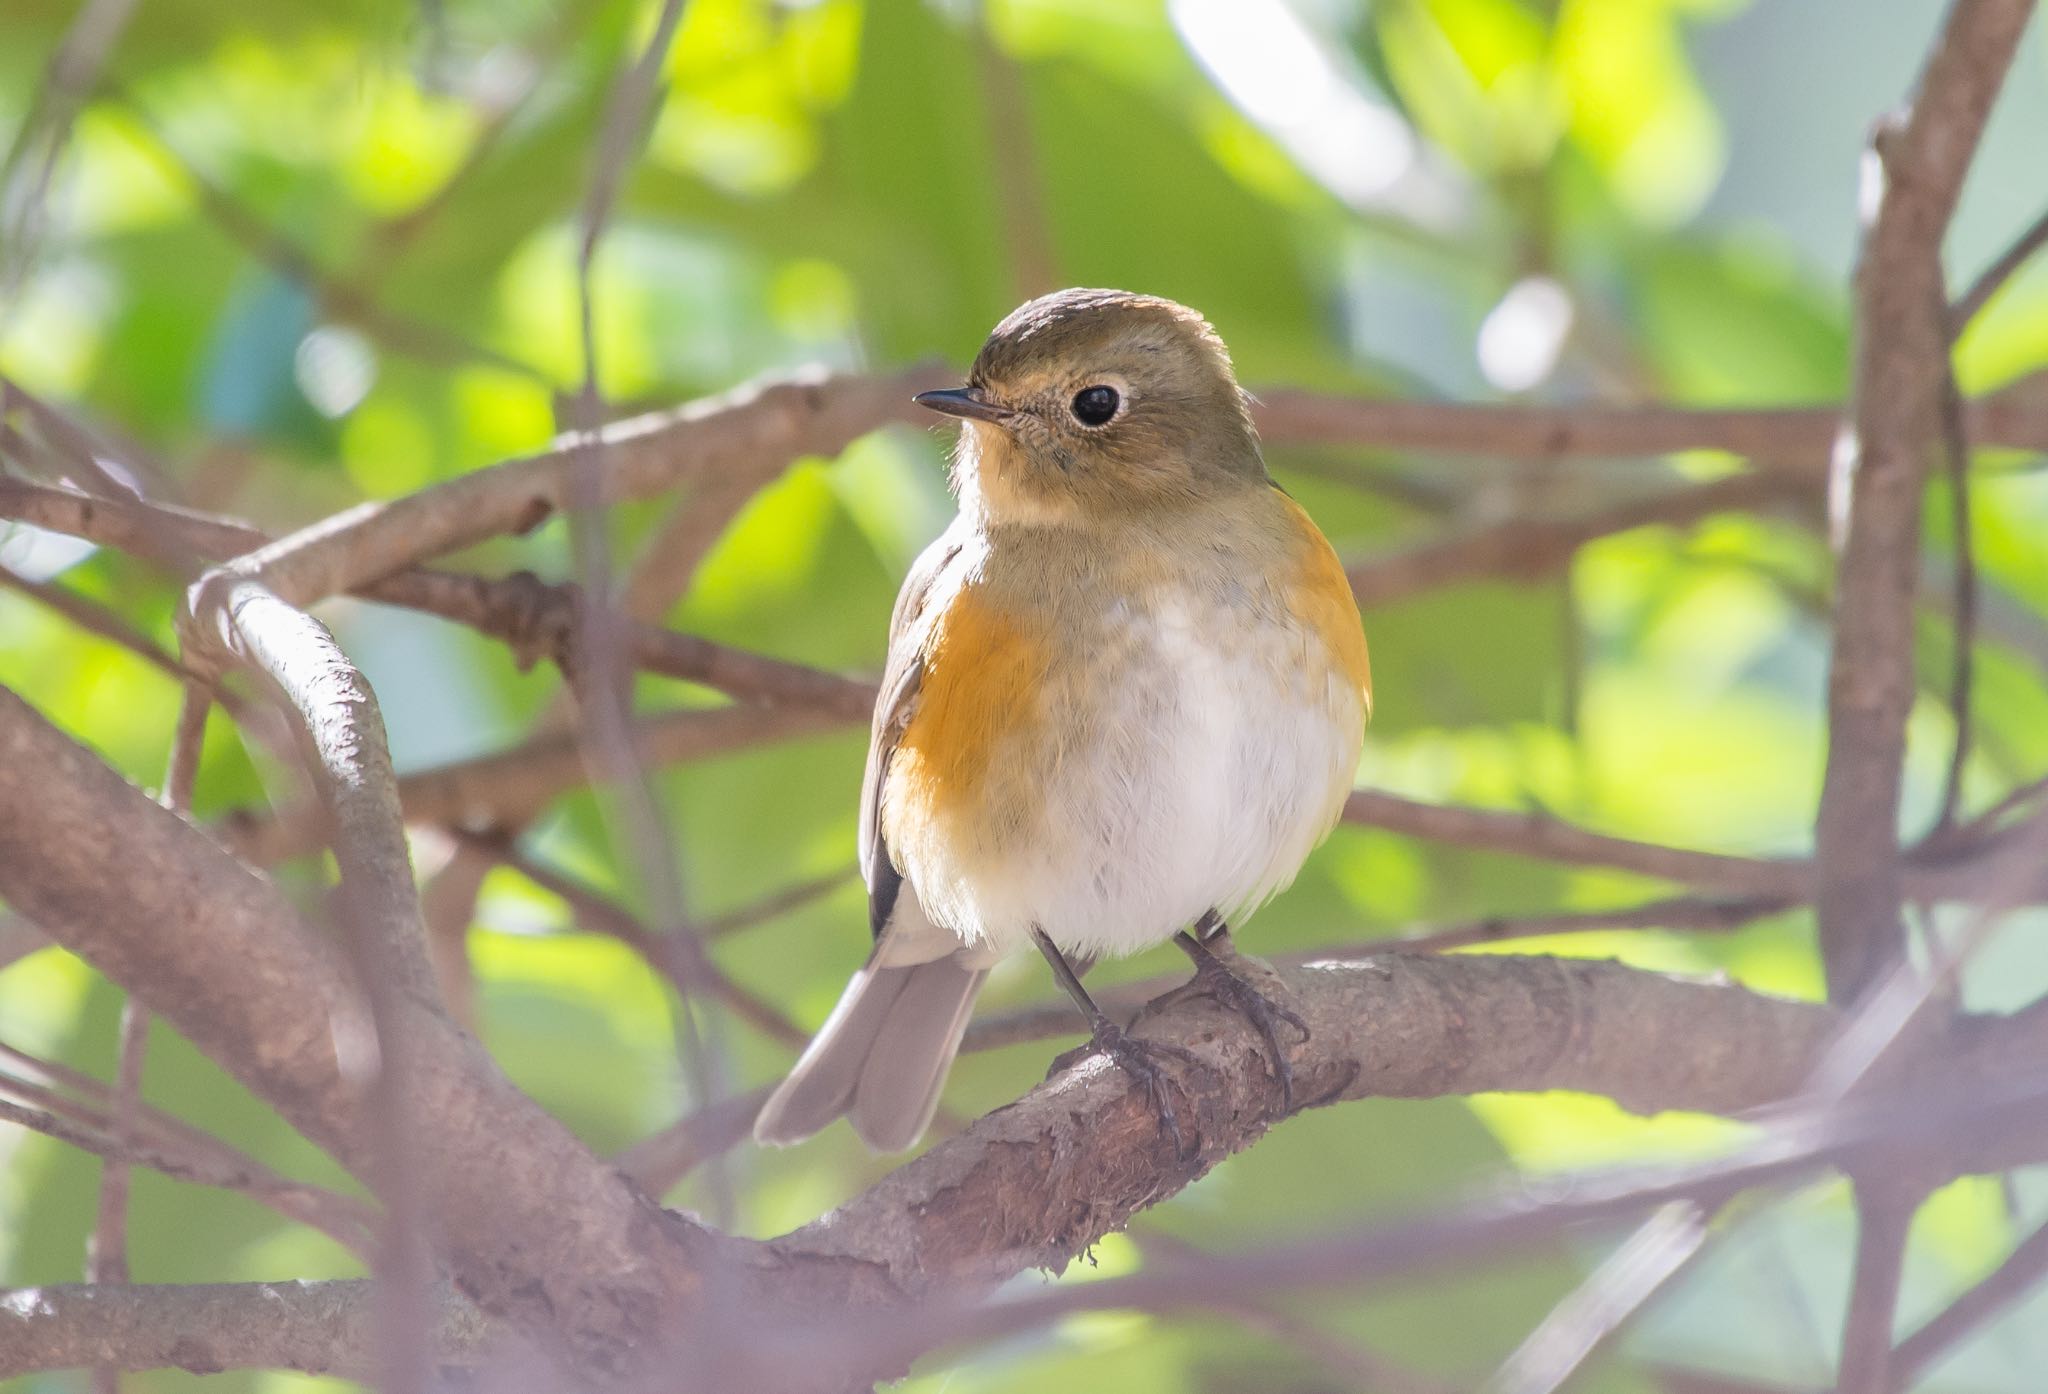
(881, 1056)
(912, 1053)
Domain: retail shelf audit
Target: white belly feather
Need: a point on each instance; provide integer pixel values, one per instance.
(1203, 781)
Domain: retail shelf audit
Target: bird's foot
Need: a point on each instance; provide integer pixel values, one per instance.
(1218, 978)
(1140, 1060)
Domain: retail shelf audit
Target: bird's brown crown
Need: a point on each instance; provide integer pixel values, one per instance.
(1088, 402)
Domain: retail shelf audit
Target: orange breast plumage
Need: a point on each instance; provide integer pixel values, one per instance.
(1320, 594)
(1106, 751)
(980, 701)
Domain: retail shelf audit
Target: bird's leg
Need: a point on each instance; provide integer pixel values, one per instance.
(1131, 1055)
(1214, 977)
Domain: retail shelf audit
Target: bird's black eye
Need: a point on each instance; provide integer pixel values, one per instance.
(1094, 406)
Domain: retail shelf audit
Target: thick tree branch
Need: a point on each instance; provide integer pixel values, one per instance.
(753, 431)
(1894, 430)
(534, 1227)
(1034, 1184)
(320, 1328)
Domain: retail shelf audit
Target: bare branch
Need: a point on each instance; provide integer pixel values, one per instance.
(514, 785)
(753, 431)
(1992, 279)
(1396, 1026)
(320, 1328)
(169, 1145)
(25, 173)
(1884, 1220)
(1963, 673)
(534, 617)
(1902, 346)
(1501, 1224)
(2008, 1283)
(673, 953)
(1521, 547)
(662, 1159)
(536, 1228)
(1033, 1184)
(1552, 839)
(106, 1256)
(1641, 1267)
(1788, 437)
(1946, 870)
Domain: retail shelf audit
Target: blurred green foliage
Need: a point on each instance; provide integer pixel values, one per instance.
(300, 254)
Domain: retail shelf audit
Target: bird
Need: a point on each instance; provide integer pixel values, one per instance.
(1124, 698)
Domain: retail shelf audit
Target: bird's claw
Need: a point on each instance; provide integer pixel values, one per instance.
(1215, 979)
(1135, 1057)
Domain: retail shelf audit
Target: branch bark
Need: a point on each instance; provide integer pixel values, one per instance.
(1789, 437)
(1894, 430)
(1032, 1185)
(318, 1328)
(534, 1227)
(1952, 870)
(515, 784)
(533, 617)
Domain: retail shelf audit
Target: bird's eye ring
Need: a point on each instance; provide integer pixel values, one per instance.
(1097, 405)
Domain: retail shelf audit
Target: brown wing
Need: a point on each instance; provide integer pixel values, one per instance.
(892, 713)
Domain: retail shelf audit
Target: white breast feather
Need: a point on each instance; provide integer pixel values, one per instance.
(1212, 772)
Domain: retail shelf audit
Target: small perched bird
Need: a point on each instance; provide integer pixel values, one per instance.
(1124, 700)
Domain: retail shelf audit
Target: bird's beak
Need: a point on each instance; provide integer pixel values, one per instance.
(967, 402)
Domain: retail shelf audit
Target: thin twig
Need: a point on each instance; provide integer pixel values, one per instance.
(108, 1260)
(599, 677)
(67, 82)
(1539, 835)
(67, 448)
(342, 300)
(1365, 1369)
(1792, 438)
(2008, 1283)
(675, 954)
(778, 903)
(533, 616)
(1638, 1269)
(1521, 548)
(167, 1144)
(1886, 1218)
(1992, 278)
(1962, 682)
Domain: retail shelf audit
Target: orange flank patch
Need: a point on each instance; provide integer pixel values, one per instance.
(981, 671)
(1321, 594)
